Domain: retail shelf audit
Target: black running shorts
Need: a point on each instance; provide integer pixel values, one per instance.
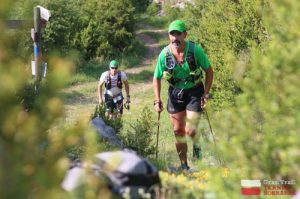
(111, 105)
(185, 99)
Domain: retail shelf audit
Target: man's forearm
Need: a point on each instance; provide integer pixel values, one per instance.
(156, 88)
(127, 89)
(100, 92)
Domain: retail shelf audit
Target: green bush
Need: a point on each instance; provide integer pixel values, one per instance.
(100, 111)
(107, 28)
(140, 135)
(62, 31)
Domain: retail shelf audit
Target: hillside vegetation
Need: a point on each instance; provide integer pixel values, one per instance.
(253, 46)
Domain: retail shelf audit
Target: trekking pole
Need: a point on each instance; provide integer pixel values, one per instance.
(157, 135)
(219, 160)
(210, 126)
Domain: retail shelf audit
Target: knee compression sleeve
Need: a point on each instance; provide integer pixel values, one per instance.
(180, 136)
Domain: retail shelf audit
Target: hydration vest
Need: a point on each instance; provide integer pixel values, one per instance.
(170, 62)
(108, 81)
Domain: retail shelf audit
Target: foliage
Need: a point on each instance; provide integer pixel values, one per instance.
(189, 185)
(224, 28)
(109, 32)
(140, 5)
(140, 136)
(27, 96)
(259, 136)
(100, 111)
(61, 33)
(152, 9)
(94, 28)
(252, 45)
(22, 9)
(172, 13)
(254, 48)
(20, 39)
(32, 144)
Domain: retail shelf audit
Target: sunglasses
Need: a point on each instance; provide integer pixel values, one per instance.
(113, 67)
(175, 33)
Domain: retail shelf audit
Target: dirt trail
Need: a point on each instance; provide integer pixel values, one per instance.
(84, 96)
(153, 49)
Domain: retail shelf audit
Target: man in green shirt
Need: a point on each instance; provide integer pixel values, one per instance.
(181, 63)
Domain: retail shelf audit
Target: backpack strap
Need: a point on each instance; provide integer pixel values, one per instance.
(195, 70)
(170, 60)
(108, 81)
(119, 80)
(170, 63)
(190, 58)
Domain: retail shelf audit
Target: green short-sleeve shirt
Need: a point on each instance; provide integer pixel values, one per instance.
(182, 72)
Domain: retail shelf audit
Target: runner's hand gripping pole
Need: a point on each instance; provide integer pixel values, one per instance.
(127, 103)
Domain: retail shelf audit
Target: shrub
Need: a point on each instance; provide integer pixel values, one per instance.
(100, 111)
(107, 28)
(61, 33)
(140, 135)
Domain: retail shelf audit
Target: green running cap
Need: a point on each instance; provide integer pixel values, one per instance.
(177, 25)
(114, 63)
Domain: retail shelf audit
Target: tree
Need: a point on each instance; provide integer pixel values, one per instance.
(61, 33)
(108, 28)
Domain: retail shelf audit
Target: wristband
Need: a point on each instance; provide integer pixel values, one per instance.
(157, 102)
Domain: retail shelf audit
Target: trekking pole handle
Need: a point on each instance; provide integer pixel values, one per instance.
(160, 104)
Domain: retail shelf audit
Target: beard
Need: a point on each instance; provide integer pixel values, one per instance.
(176, 44)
